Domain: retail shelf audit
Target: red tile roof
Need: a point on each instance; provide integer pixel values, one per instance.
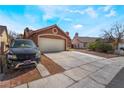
(31, 32)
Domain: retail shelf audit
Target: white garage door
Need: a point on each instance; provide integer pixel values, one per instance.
(51, 45)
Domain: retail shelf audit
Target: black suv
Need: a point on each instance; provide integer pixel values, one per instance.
(22, 53)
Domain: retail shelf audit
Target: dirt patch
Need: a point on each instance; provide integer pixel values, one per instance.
(18, 77)
(51, 66)
(14, 78)
(97, 53)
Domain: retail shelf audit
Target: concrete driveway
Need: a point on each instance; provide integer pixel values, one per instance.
(81, 71)
(72, 59)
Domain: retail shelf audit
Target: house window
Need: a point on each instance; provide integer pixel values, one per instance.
(76, 46)
(85, 44)
(81, 45)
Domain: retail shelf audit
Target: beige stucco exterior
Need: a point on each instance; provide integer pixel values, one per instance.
(4, 38)
(55, 38)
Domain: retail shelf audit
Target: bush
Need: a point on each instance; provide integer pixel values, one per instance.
(106, 47)
(100, 46)
(92, 46)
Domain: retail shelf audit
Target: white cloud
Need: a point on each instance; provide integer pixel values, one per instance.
(91, 12)
(94, 13)
(52, 11)
(58, 11)
(49, 12)
(111, 13)
(107, 8)
(108, 11)
(78, 26)
(75, 11)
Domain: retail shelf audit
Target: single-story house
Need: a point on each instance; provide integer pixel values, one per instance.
(120, 49)
(82, 42)
(4, 40)
(19, 36)
(49, 39)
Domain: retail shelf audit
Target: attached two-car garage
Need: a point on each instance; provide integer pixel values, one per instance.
(51, 45)
(49, 39)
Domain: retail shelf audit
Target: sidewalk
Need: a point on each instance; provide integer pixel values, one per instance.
(96, 76)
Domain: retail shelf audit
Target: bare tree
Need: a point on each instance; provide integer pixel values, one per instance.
(108, 35)
(12, 35)
(114, 34)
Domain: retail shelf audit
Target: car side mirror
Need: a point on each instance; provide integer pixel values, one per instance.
(7, 46)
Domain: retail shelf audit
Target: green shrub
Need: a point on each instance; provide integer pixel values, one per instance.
(92, 46)
(106, 47)
(100, 46)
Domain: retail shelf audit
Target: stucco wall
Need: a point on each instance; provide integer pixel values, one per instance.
(119, 51)
(49, 34)
(4, 39)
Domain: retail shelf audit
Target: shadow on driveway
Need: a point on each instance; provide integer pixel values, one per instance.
(10, 74)
(117, 81)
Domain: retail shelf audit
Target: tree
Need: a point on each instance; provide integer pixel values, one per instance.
(12, 35)
(100, 46)
(114, 34)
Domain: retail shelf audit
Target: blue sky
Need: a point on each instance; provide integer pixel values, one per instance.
(86, 20)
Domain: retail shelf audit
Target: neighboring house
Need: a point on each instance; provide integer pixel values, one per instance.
(82, 42)
(3, 38)
(120, 49)
(49, 39)
(19, 36)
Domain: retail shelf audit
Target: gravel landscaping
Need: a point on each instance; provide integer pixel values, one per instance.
(97, 53)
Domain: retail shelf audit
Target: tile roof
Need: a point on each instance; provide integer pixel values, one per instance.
(31, 32)
(87, 39)
(42, 29)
